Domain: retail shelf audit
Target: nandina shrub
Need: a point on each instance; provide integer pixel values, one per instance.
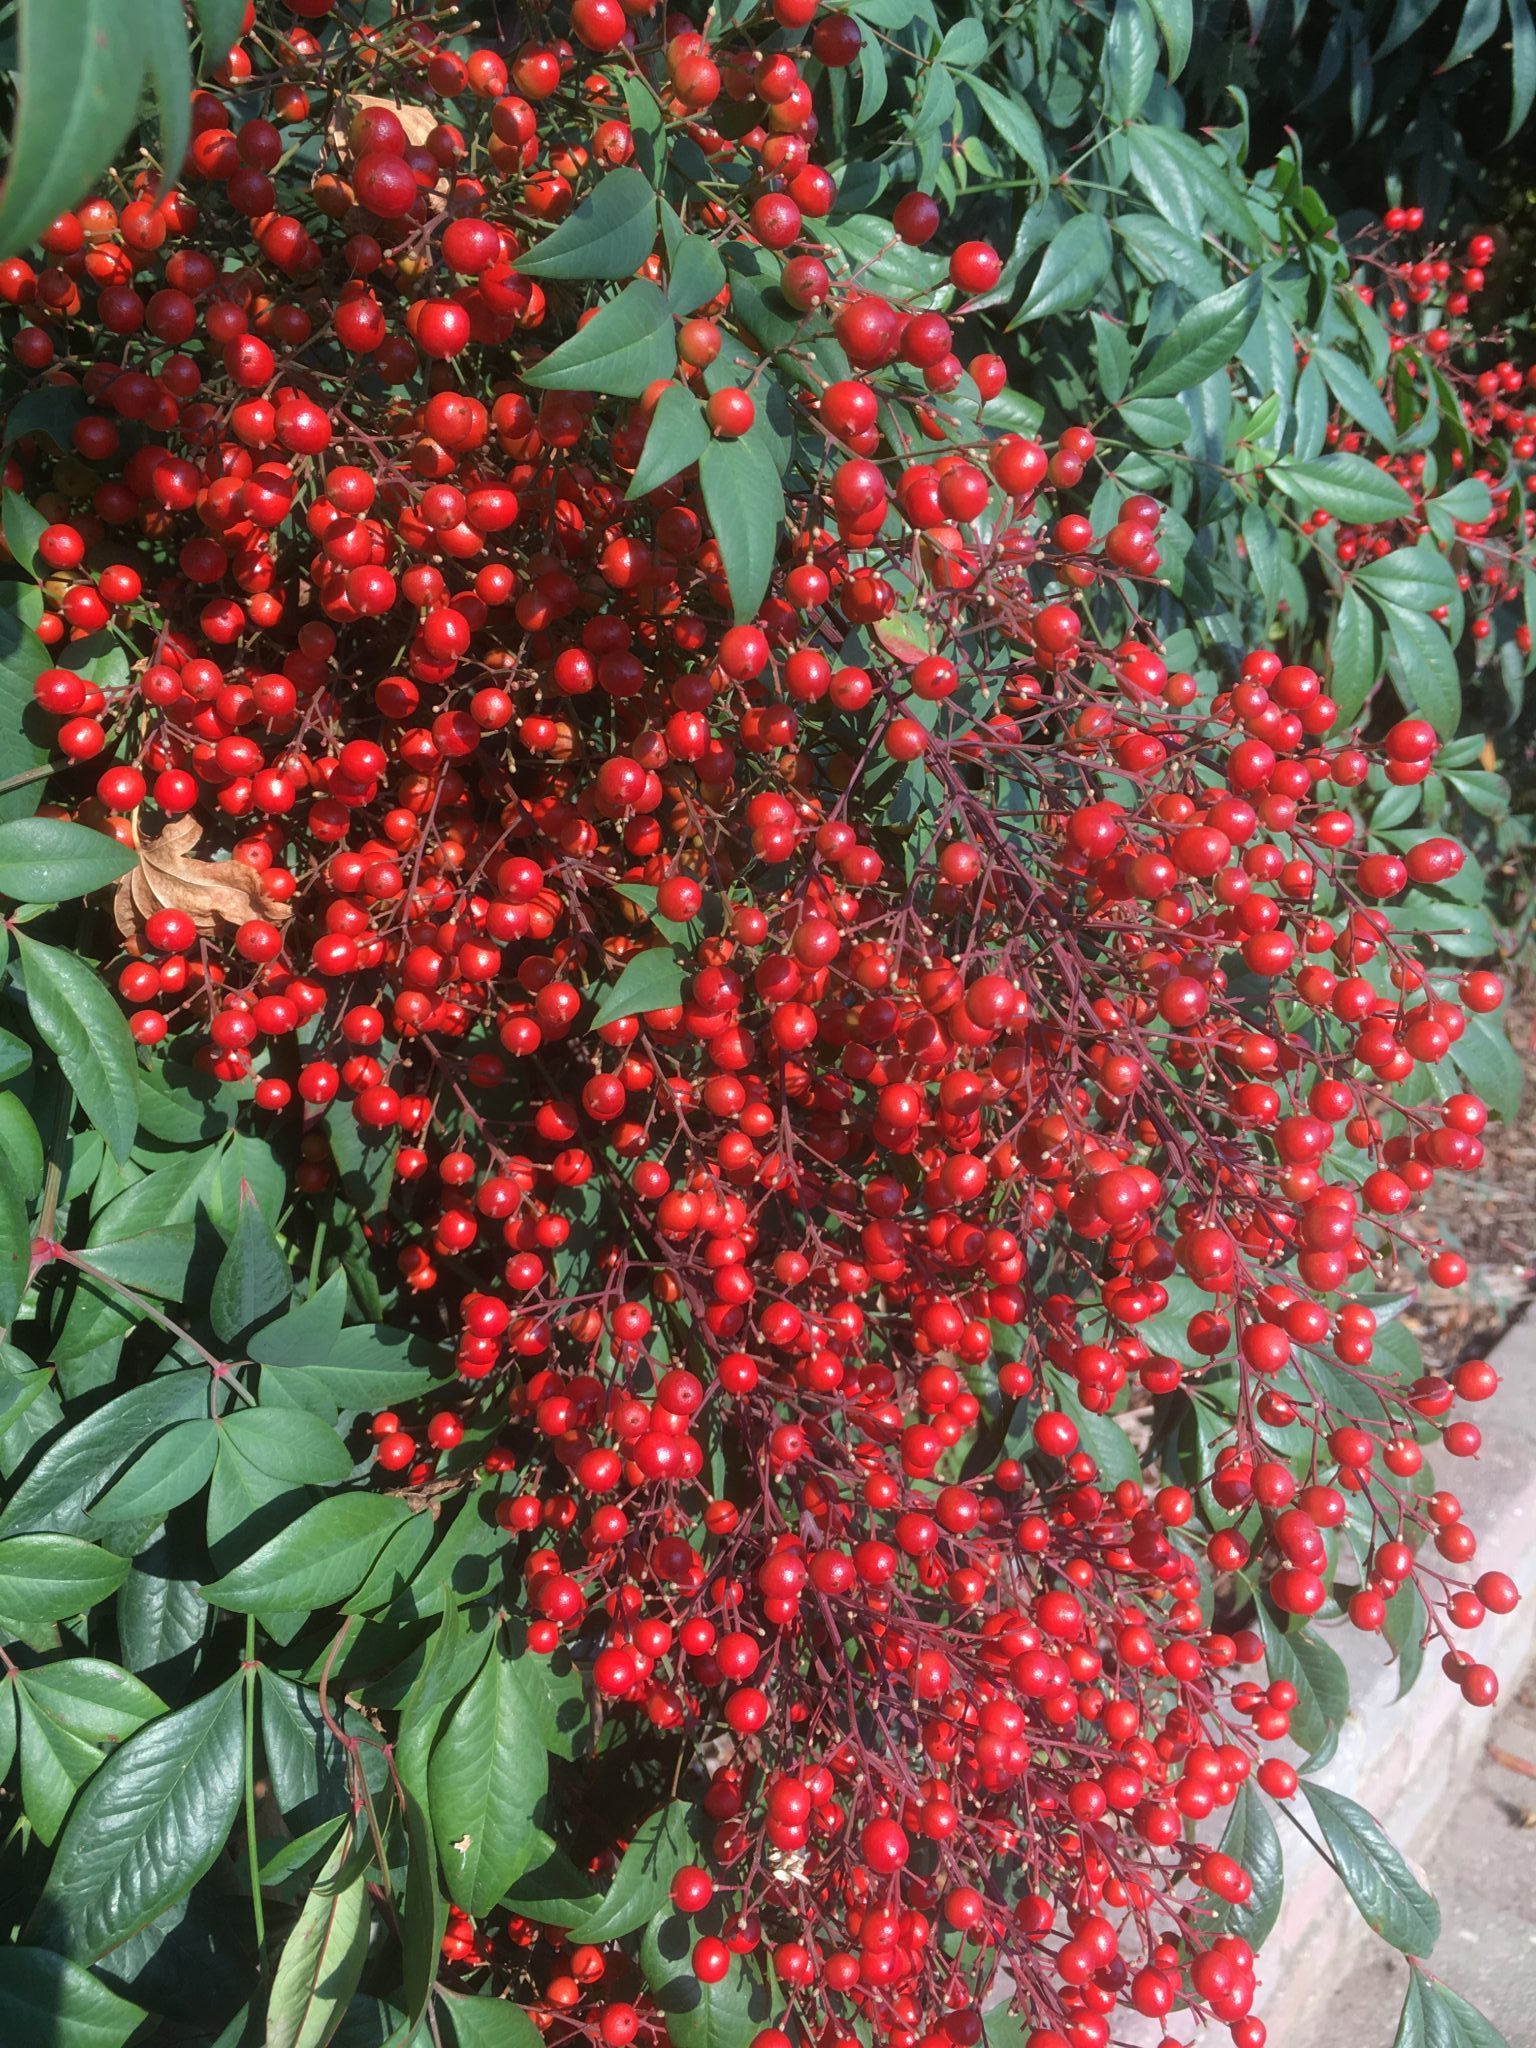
(690, 1347)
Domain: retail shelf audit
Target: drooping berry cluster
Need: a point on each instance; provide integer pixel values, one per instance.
(841, 1019)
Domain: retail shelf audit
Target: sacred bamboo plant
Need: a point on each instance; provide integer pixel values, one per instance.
(718, 1099)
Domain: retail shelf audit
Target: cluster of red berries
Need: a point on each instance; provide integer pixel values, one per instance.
(831, 1059)
(1428, 303)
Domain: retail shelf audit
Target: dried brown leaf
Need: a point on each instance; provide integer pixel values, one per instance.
(211, 892)
(417, 121)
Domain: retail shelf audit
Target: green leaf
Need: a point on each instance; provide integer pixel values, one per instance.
(1479, 19)
(55, 1493)
(15, 1058)
(72, 1714)
(642, 1884)
(695, 267)
(1348, 486)
(101, 1702)
(174, 1468)
(1129, 62)
(1076, 263)
(81, 65)
(365, 1160)
(488, 1772)
(290, 1445)
(307, 1330)
(1355, 657)
(152, 1262)
(1433, 2016)
(50, 2002)
(15, 1243)
(1101, 1437)
(317, 1560)
(1356, 393)
(553, 1891)
(1522, 68)
(676, 437)
(487, 2022)
(1407, 1618)
(252, 1279)
(1390, 1898)
(1423, 665)
(1014, 124)
(25, 744)
(1156, 422)
(723, 2015)
(322, 1960)
(745, 502)
(24, 527)
(1418, 578)
(628, 345)
(609, 235)
(364, 1366)
(652, 980)
(1111, 356)
(306, 1759)
(1176, 19)
(47, 1578)
(220, 21)
(1489, 1065)
(162, 24)
(1250, 1839)
(1318, 1674)
(1203, 341)
(1467, 503)
(148, 1825)
(556, 1695)
(52, 410)
(77, 1016)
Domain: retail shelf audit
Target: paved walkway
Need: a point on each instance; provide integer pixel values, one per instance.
(1482, 1868)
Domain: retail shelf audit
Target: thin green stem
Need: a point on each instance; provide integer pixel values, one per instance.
(258, 1911)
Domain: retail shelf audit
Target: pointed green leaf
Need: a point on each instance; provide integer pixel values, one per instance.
(745, 502)
(1390, 1898)
(488, 1772)
(317, 1560)
(307, 1330)
(1433, 2016)
(47, 2000)
(48, 860)
(15, 1243)
(1348, 486)
(174, 1468)
(1202, 342)
(148, 1825)
(723, 2015)
(1250, 1839)
(322, 1960)
(628, 345)
(81, 65)
(48, 1578)
(1355, 656)
(675, 438)
(1318, 1674)
(642, 1883)
(1423, 665)
(652, 980)
(1077, 261)
(609, 235)
(252, 1279)
(1489, 1065)
(487, 2022)
(75, 1013)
